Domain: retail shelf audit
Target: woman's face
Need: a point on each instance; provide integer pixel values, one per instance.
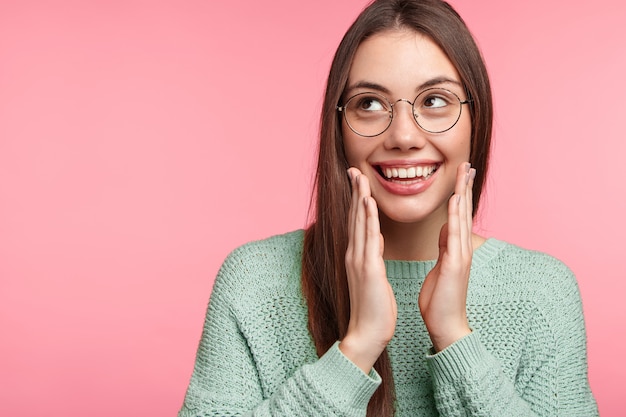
(400, 64)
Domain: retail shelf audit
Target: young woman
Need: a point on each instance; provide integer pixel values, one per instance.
(388, 304)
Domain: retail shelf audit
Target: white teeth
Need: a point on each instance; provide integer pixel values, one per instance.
(410, 172)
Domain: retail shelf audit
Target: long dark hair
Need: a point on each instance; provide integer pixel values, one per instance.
(324, 279)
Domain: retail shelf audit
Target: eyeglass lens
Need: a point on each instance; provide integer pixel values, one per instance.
(435, 110)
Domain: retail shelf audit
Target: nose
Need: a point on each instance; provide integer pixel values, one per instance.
(404, 133)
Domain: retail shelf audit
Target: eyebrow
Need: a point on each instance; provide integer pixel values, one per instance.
(368, 85)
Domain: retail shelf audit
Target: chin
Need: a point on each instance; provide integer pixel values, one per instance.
(411, 217)
(413, 213)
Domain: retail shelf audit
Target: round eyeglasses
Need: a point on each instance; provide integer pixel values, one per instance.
(435, 110)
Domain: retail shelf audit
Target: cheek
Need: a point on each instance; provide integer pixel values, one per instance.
(456, 149)
(467, 147)
(351, 155)
(357, 153)
(465, 138)
(353, 147)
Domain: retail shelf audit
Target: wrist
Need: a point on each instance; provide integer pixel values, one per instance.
(441, 342)
(359, 353)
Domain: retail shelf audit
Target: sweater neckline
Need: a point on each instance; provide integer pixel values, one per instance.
(412, 269)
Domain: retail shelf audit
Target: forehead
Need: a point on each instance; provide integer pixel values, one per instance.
(399, 60)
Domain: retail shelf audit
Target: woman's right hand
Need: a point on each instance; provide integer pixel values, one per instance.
(373, 310)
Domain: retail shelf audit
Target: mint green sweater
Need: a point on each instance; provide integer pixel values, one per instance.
(525, 357)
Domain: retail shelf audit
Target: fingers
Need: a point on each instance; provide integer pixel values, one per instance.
(353, 173)
(363, 223)
(465, 221)
(469, 193)
(374, 244)
(456, 220)
(460, 220)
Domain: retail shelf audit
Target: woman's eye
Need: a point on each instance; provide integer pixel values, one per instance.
(434, 102)
(371, 104)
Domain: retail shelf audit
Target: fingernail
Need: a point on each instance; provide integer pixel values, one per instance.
(467, 166)
(350, 174)
(467, 178)
(473, 173)
(358, 180)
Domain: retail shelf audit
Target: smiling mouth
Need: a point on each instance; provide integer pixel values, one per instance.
(403, 174)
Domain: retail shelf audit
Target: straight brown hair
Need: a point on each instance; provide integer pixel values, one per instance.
(324, 279)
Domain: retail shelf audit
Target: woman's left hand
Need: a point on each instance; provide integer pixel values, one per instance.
(443, 297)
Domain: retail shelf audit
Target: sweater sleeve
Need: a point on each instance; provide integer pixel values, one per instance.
(226, 380)
(552, 376)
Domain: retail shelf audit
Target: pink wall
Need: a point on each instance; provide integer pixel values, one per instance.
(140, 142)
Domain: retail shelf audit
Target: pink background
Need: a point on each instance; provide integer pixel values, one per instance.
(141, 141)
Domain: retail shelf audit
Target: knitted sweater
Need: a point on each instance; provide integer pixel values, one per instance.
(526, 355)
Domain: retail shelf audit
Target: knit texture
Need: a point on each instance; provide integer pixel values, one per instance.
(526, 355)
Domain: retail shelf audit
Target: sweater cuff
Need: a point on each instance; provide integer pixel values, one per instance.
(457, 361)
(338, 374)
